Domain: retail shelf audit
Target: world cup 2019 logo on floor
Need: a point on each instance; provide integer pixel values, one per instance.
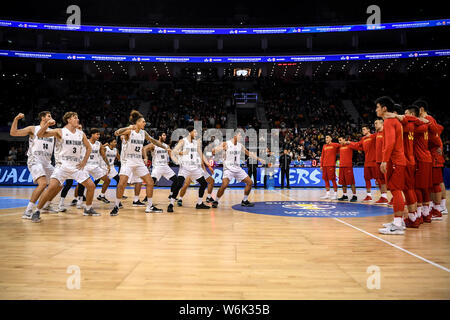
(315, 209)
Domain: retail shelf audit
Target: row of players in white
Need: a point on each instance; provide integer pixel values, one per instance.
(71, 164)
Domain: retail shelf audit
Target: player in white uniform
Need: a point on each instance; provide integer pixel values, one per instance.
(209, 179)
(39, 154)
(135, 135)
(132, 179)
(191, 166)
(67, 185)
(68, 149)
(160, 162)
(111, 154)
(96, 163)
(232, 168)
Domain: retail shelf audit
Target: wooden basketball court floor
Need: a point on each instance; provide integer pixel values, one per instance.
(217, 254)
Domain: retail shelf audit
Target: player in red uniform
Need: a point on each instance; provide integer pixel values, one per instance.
(423, 176)
(393, 164)
(411, 126)
(379, 158)
(367, 144)
(435, 146)
(328, 166)
(346, 176)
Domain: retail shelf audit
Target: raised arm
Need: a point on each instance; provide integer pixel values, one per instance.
(252, 155)
(45, 133)
(14, 132)
(176, 151)
(88, 147)
(124, 131)
(155, 142)
(222, 146)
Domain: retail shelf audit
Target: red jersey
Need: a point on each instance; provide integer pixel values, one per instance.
(368, 145)
(435, 142)
(421, 152)
(346, 156)
(393, 142)
(328, 157)
(379, 147)
(410, 125)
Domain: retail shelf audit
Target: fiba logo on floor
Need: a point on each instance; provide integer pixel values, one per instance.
(315, 209)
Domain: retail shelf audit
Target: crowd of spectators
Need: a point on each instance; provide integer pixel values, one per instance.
(304, 111)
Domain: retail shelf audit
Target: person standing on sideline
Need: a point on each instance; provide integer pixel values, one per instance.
(285, 161)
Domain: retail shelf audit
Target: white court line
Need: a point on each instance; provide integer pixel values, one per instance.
(385, 241)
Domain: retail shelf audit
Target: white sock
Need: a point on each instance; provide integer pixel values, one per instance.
(88, 207)
(369, 194)
(117, 202)
(30, 205)
(443, 204)
(136, 198)
(431, 205)
(61, 202)
(102, 195)
(419, 212)
(345, 194)
(245, 197)
(208, 195)
(398, 221)
(412, 216)
(384, 195)
(172, 201)
(149, 202)
(200, 201)
(425, 211)
(328, 193)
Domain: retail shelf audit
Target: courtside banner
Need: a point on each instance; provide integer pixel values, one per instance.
(298, 177)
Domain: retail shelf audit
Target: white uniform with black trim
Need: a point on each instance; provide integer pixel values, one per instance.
(95, 165)
(111, 156)
(133, 164)
(190, 164)
(232, 164)
(160, 161)
(68, 153)
(39, 155)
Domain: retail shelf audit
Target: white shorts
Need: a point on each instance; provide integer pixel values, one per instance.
(134, 179)
(96, 172)
(62, 174)
(206, 174)
(112, 172)
(193, 173)
(138, 170)
(39, 169)
(239, 174)
(162, 171)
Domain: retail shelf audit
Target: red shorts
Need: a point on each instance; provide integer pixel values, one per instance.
(329, 173)
(395, 177)
(424, 175)
(410, 177)
(380, 175)
(437, 175)
(346, 177)
(370, 173)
